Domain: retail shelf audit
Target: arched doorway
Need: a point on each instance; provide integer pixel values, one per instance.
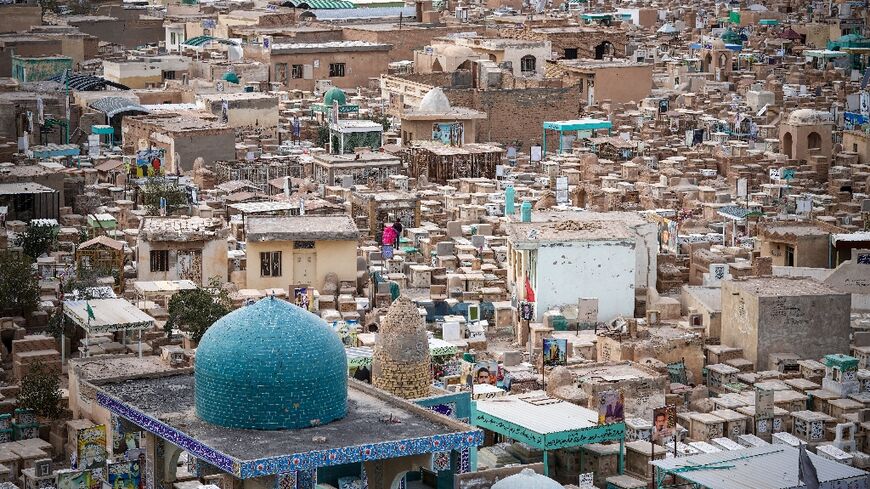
(787, 144)
(814, 140)
(708, 63)
(603, 49)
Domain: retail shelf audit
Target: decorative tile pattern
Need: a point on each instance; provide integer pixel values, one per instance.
(441, 461)
(360, 453)
(285, 481)
(292, 462)
(166, 432)
(306, 479)
(447, 409)
(260, 388)
(464, 461)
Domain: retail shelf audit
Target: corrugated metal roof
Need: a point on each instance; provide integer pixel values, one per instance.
(766, 467)
(85, 82)
(320, 4)
(200, 40)
(112, 106)
(549, 416)
(109, 315)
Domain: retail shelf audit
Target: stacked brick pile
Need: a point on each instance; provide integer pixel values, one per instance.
(401, 364)
(32, 349)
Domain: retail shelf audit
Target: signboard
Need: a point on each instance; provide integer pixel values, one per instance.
(611, 407)
(587, 480)
(126, 440)
(536, 153)
(763, 403)
(451, 134)
(91, 449)
(527, 311)
(74, 479)
(125, 475)
(482, 372)
(774, 174)
(302, 297)
(555, 352)
(150, 162)
(788, 173)
(664, 423)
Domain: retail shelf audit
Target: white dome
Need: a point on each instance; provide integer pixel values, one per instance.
(435, 102)
(527, 479)
(802, 117)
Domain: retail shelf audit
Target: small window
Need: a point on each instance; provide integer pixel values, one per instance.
(159, 260)
(296, 72)
(270, 264)
(527, 65)
(303, 245)
(855, 147)
(336, 69)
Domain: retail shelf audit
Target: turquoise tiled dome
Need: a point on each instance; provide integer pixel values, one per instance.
(334, 94)
(270, 366)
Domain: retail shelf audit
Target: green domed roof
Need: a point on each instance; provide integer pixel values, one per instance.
(336, 94)
(231, 77)
(270, 366)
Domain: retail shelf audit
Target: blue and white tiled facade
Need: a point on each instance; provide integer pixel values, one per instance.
(245, 469)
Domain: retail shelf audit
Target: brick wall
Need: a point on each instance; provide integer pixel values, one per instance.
(583, 41)
(405, 40)
(518, 115)
(129, 33)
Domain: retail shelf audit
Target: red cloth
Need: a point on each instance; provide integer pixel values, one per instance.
(530, 293)
(390, 235)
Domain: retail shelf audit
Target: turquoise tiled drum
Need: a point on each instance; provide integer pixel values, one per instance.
(270, 366)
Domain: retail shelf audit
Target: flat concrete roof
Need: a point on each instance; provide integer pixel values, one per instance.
(301, 228)
(107, 367)
(784, 286)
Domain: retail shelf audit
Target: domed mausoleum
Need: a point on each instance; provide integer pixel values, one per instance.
(270, 366)
(268, 404)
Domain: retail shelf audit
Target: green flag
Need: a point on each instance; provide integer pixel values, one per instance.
(90, 311)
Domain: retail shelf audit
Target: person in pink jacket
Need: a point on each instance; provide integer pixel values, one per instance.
(390, 235)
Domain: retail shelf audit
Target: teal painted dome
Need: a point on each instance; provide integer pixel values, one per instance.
(231, 77)
(334, 93)
(270, 366)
